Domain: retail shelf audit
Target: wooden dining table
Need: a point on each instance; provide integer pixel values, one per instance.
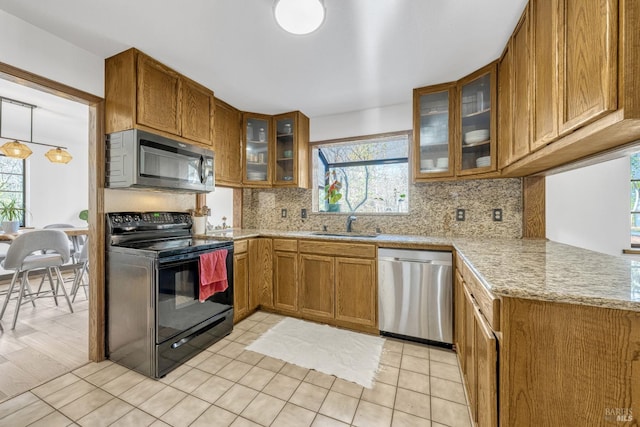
(78, 231)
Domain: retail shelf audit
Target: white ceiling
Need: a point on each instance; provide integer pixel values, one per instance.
(368, 53)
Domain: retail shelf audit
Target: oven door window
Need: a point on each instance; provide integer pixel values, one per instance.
(177, 299)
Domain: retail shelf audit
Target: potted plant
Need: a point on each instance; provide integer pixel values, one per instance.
(332, 192)
(10, 213)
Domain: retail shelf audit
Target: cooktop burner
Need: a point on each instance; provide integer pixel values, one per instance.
(158, 234)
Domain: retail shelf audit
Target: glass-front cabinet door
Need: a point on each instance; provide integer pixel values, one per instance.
(257, 152)
(433, 123)
(476, 152)
(291, 150)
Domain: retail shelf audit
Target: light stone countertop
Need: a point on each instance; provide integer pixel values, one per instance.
(520, 268)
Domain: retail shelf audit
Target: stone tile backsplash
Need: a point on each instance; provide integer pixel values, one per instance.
(432, 208)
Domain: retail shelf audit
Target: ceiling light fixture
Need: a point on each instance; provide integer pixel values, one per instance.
(299, 16)
(16, 150)
(58, 155)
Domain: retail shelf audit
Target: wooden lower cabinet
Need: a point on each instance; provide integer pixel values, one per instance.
(260, 273)
(240, 281)
(252, 276)
(355, 296)
(317, 274)
(285, 281)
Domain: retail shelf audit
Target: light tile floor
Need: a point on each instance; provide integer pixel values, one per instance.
(226, 385)
(48, 341)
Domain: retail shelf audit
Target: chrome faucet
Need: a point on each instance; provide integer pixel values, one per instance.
(350, 220)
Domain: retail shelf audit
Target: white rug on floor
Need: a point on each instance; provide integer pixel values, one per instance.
(351, 356)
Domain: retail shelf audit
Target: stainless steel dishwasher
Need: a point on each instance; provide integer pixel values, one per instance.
(415, 297)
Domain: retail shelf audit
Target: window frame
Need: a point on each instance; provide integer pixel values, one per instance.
(358, 139)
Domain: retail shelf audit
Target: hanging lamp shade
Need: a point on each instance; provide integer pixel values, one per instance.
(16, 150)
(58, 155)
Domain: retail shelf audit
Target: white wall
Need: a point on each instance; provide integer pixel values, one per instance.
(33, 49)
(391, 118)
(221, 204)
(589, 207)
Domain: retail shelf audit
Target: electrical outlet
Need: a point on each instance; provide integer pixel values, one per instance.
(497, 214)
(459, 214)
(303, 213)
(283, 213)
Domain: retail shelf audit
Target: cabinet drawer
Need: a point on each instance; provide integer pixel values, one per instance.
(240, 246)
(488, 303)
(356, 250)
(286, 245)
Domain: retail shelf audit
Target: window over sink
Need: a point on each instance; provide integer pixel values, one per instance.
(635, 200)
(367, 174)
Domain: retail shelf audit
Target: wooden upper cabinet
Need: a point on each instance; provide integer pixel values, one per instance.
(258, 144)
(140, 92)
(433, 126)
(589, 47)
(158, 96)
(505, 99)
(521, 88)
(291, 150)
(476, 131)
(544, 33)
(197, 112)
(227, 144)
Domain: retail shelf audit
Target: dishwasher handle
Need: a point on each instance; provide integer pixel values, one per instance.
(418, 261)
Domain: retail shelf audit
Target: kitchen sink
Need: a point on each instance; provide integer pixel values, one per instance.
(344, 234)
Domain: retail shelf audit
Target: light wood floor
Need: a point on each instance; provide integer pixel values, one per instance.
(48, 341)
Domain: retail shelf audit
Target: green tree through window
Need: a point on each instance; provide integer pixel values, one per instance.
(12, 181)
(369, 174)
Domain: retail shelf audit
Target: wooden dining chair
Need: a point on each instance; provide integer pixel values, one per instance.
(35, 250)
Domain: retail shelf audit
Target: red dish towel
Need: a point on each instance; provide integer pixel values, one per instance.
(213, 273)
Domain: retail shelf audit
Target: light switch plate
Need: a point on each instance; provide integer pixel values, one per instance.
(303, 213)
(283, 213)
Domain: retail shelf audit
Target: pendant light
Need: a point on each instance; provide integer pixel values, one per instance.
(58, 155)
(299, 16)
(16, 150)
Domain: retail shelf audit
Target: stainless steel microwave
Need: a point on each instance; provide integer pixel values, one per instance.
(139, 159)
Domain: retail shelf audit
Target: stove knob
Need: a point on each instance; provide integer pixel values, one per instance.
(127, 218)
(136, 218)
(117, 219)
